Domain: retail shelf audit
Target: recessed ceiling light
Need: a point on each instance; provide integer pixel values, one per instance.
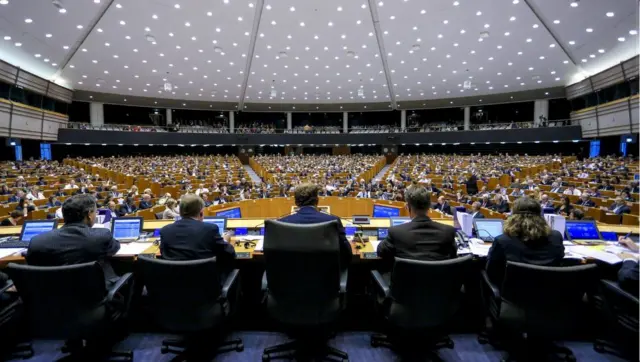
(62, 11)
(633, 32)
(556, 21)
(7, 37)
(380, 3)
(339, 8)
(528, 40)
(177, 6)
(589, 30)
(119, 6)
(37, 55)
(574, 4)
(121, 23)
(535, 26)
(621, 39)
(268, 7)
(302, 24)
(610, 14)
(513, 18)
(479, 13)
(4, 2)
(28, 21)
(600, 51)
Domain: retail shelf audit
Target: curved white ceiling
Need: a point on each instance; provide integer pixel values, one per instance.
(316, 51)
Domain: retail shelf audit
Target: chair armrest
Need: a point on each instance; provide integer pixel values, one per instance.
(229, 283)
(380, 283)
(344, 275)
(6, 286)
(118, 285)
(616, 288)
(265, 285)
(495, 291)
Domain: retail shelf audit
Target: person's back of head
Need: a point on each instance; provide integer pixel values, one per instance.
(526, 221)
(418, 200)
(79, 209)
(306, 194)
(191, 206)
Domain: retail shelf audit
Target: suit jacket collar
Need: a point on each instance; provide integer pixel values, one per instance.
(307, 210)
(421, 218)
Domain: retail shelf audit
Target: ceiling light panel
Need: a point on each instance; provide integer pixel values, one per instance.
(334, 43)
(46, 19)
(606, 30)
(203, 59)
(460, 56)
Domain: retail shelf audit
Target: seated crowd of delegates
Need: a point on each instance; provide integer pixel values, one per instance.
(454, 170)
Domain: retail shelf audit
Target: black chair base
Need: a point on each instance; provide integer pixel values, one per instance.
(79, 351)
(21, 350)
(302, 351)
(605, 346)
(185, 352)
(411, 350)
(539, 353)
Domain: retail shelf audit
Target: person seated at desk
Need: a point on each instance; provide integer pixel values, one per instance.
(145, 203)
(4, 190)
(19, 195)
(566, 207)
(164, 198)
(190, 238)
(526, 239)
(128, 207)
(475, 211)
(443, 205)
(264, 193)
(111, 206)
(544, 201)
(61, 192)
(41, 181)
(420, 239)
(628, 273)
(486, 203)
(585, 200)
(35, 194)
(171, 211)
(556, 188)
(205, 199)
(500, 204)
(518, 192)
(618, 207)
(14, 218)
(82, 243)
(26, 206)
(576, 214)
(626, 197)
(53, 201)
(306, 199)
(606, 186)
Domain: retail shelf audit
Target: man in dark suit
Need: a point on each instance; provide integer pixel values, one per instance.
(190, 238)
(205, 199)
(306, 198)
(501, 205)
(619, 207)
(556, 188)
(420, 239)
(628, 273)
(475, 211)
(585, 200)
(128, 207)
(486, 203)
(146, 202)
(76, 242)
(443, 205)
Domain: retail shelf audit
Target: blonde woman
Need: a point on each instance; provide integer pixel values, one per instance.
(171, 210)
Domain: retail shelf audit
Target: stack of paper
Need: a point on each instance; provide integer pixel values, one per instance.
(590, 252)
(133, 248)
(10, 251)
(479, 249)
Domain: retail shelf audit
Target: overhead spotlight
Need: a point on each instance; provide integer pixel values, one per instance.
(168, 87)
(360, 92)
(574, 3)
(273, 93)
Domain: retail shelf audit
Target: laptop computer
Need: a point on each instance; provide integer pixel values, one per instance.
(584, 232)
(30, 228)
(487, 229)
(382, 233)
(127, 229)
(221, 222)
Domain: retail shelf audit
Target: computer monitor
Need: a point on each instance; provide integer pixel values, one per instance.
(31, 228)
(125, 228)
(395, 221)
(487, 229)
(233, 213)
(220, 222)
(456, 210)
(609, 235)
(382, 233)
(582, 230)
(350, 230)
(385, 211)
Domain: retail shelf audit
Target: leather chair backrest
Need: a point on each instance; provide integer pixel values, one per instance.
(61, 302)
(426, 293)
(183, 296)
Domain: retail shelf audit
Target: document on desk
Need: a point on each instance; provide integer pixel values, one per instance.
(479, 249)
(591, 252)
(10, 251)
(133, 248)
(374, 244)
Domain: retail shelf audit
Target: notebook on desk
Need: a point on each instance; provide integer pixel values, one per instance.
(126, 229)
(583, 232)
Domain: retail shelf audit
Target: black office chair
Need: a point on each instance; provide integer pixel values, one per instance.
(72, 303)
(536, 306)
(620, 337)
(186, 297)
(421, 300)
(305, 286)
(10, 332)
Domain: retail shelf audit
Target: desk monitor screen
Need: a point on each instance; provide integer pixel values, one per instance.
(350, 230)
(219, 221)
(126, 228)
(488, 229)
(382, 233)
(241, 231)
(230, 213)
(31, 228)
(385, 211)
(609, 235)
(582, 230)
(395, 221)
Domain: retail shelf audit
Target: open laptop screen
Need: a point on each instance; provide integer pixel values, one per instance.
(488, 229)
(219, 221)
(31, 228)
(395, 221)
(126, 227)
(582, 230)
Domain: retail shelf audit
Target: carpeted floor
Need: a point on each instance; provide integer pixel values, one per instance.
(146, 347)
